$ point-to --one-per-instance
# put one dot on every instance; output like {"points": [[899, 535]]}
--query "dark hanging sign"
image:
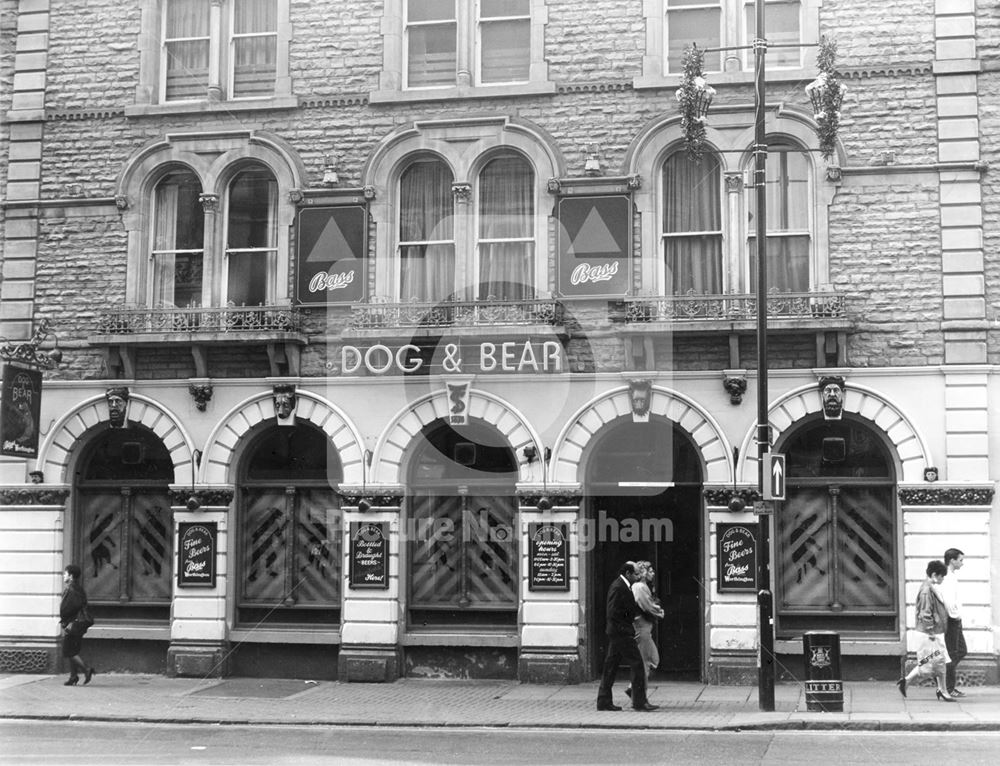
{"points": [[331, 264], [369, 555], [20, 411], [548, 556], [736, 554], [594, 242], [197, 544]]}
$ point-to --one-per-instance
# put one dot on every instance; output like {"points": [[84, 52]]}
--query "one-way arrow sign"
{"points": [[775, 484]]}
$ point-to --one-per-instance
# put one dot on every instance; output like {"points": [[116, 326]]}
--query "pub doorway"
{"points": [[644, 489]]}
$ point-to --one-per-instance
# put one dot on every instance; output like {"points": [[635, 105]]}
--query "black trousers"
{"points": [[954, 639], [623, 648]]}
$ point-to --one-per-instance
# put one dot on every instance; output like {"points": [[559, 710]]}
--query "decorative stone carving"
{"points": [[633, 183], [462, 192], [36, 495], [368, 192], [209, 202], [117, 399], [205, 497], [735, 387], [553, 185], [284, 404], [295, 196], [947, 496], [121, 202], [734, 182], [202, 394], [832, 393], [721, 497], [639, 393]]}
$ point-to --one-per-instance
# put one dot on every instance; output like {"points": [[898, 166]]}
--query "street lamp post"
{"points": [[765, 598]]}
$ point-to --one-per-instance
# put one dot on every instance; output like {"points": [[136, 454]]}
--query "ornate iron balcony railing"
{"points": [[381, 315], [227, 319], [735, 308]]}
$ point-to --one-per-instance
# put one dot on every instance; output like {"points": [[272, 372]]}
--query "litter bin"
{"points": [[824, 687]]}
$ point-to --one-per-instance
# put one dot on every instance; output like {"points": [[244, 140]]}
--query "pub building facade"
{"points": [[386, 341]]}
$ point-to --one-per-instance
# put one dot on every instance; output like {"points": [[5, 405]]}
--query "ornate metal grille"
{"points": [[734, 307], [455, 314], [230, 319]]}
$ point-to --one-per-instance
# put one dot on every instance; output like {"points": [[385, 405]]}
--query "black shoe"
{"points": [[628, 692], [609, 706], [944, 697], [648, 707], [72, 681], [87, 676], [955, 693], [901, 684]]}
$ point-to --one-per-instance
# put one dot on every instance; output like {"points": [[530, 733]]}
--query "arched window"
{"points": [[692, 224], [123, 537], [178, 241], [426, 231], [290, 526], [462, 514], [836, 532], [251, 238], [789, 201], [506, 229]]}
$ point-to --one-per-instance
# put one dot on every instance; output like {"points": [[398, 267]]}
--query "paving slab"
{"points": [[457, 703]]}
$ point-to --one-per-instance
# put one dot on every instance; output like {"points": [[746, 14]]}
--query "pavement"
{"points": [[868, 706]]}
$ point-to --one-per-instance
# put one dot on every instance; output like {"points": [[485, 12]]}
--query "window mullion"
{"points": [[291, 546], [215, 51], [835, 604], [465, 42], [124, 546]]}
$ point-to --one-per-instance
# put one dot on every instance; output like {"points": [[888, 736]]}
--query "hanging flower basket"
{"points": [[826, 93], [694, 97]]}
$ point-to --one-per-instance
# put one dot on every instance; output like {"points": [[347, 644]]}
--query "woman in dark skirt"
{"points": [[73, 600]]}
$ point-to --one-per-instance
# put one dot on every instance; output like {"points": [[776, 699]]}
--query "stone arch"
{"points": [[58, 448], [704, 431], [220, 448], [908, 443], [387, 462]]}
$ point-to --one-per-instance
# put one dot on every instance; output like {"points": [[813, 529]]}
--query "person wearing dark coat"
{"points": [[621, 612], [74, 599]]}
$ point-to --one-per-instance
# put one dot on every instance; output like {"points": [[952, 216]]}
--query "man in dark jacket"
{"points": [[621, 611]]}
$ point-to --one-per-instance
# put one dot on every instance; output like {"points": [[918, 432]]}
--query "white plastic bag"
{"points": [[932, 656]]}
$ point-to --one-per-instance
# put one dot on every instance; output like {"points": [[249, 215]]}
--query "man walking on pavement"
{"points": [[954, 640], [621, 611]]}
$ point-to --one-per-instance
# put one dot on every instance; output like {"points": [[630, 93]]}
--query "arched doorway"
{"points": [[123, 530], [835, 541], [643, 483], [461, 521], [289, 530]]}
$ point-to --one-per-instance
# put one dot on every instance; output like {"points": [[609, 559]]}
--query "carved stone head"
{"points": [[284, 403], [639, 393], [832, 394], [117, 399]]}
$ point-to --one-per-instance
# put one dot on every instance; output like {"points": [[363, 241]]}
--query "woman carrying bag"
{"points": [[932, 621], [74, 618]]}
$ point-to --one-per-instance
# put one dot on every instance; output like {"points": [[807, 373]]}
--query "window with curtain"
{"points": [[186, 43], [426, 232], [693, 21], [788, 229], [506, 229], [717, 24], [431, 43], [240, 40], [251, 238], [254, 48], [692, 224], [783, 22], [493, 41], [504, 40], [178, 241]]}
